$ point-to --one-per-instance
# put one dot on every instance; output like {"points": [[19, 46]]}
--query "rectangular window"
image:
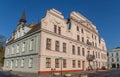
{"points": [[95, 44], [59, 30], [117, 54], [55, 29], [64, 63], [73, 49], [78, 38], [93, 53], [73, 63], [92, 35], [23, 47], [112, 60], [101, 55], [83, 51], [48, 62], [117, 59], [82, 39], [82, 31], [112, 54], [22, 63], [16, 62], [57, 45], [78, 48], [48, 44], [88, 53], [95, 37], [30, 62], [64, 47], [7, 63], [12, 50], [31, 44], [96, 54], [8, 51], [18, 48], [77, 28], [56, 63], [79, 64]]}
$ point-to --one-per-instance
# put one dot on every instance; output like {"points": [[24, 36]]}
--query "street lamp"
{"points": [[61, 58]]}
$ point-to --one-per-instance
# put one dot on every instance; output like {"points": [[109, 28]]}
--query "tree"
{"points": [[2, 49], [2, 40]]}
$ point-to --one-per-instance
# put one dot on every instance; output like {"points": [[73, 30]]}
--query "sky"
{"points": [[104, 14]]}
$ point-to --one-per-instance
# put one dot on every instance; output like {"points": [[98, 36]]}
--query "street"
{"points": [[111, 73]]}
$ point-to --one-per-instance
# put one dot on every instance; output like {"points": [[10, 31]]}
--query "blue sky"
{"points": [[105, 15]]}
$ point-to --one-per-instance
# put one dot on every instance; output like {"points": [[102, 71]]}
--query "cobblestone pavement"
{"points": [[111, 73]]}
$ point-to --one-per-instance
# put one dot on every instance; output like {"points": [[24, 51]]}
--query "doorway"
{"points": [[83, 65]]}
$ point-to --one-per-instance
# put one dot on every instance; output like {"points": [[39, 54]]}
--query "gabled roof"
{"points": [[33, 29]]}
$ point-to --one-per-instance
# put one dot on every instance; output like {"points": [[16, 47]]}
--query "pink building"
{"points": [[70, 42], [55, 44]]}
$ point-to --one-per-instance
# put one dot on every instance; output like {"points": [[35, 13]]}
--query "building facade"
{"points": [[22, 49], [58, 44], [114, 58]]}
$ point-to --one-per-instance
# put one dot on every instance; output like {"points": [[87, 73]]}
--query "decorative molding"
{"points": [[21, 55]]}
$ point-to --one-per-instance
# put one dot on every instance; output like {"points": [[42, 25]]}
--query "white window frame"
{"points": [[22, 63], [30, 62], [31, 44], [12, 50], [16, 62], [7, 63], [23, 47], [8, 51], [18, 48]]}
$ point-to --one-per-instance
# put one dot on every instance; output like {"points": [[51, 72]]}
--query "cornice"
{"points": [[21, 55]]}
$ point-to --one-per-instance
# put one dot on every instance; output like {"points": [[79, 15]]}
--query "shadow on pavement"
{"points": [[8, 74]]}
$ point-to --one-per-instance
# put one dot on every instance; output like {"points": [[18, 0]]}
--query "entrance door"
{"points": [[83, 65]]}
